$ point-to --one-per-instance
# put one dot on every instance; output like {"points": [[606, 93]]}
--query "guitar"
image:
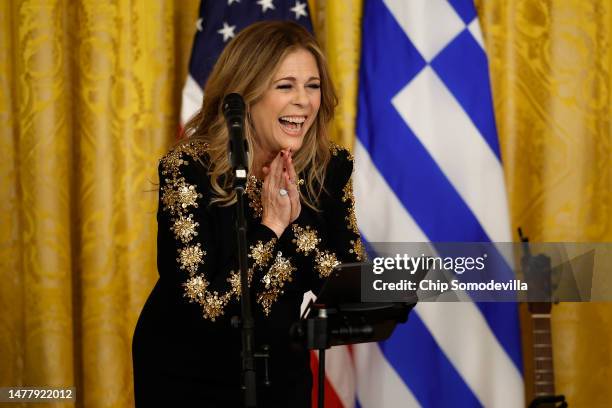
{"points": [[543, 374]]}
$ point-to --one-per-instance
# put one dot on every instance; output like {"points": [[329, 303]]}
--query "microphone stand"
{"points": [[247, 323], [234, 110]]}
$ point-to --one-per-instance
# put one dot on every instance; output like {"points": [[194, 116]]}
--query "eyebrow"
{"points": [[290, 78]]}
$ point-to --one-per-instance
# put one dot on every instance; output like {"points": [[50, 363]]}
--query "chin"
{"points": [[294, 144]]}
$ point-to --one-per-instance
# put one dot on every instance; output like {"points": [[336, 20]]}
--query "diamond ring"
{"points": [[283, 192]]}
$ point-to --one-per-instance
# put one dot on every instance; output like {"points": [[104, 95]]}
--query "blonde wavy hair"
{"points": [[247, 66]]}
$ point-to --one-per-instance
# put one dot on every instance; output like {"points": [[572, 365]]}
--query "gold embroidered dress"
{"points": [[185, 349]]}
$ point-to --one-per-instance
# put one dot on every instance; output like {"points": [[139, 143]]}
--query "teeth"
{"points": [[294, 119]]}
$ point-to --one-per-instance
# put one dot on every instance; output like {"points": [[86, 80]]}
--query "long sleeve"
{"points": [[339, 209], [189, 244], [336, 240]]}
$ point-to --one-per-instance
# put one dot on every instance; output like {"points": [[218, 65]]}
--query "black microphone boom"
{"points": [[233, 110]]}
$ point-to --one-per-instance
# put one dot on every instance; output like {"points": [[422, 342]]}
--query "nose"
{"points": [[300, 97]]}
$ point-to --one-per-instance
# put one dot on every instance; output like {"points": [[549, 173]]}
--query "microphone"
{"points": [[233, 110]]}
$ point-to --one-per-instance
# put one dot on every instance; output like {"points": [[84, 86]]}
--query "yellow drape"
{"points": [[551, 70], [338, 28], [89, 99]]}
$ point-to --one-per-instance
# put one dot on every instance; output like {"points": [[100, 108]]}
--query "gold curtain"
{"points": [[89, 100], [338, 28], [551, 71]]}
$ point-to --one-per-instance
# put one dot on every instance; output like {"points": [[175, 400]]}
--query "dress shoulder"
{"points": [[194, 150], [340, 152], [183, 179], [340, 167]]}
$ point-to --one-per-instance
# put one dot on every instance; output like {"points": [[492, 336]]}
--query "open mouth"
{"points": [[292, 124]]}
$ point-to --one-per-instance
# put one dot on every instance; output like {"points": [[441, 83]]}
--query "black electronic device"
{"points": [[339, 317]]}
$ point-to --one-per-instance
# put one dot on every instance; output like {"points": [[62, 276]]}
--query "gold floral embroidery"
{"points": [[178, 195], [335, 148], [174, 159], [262, 253], [195, 288], [184, 228], [347, 191], [190, 258], [325, 263], [347, 196], [234, 281], [267, 298], [351, 220], [253, 190], [358, 249], [213, 304], [279, 273], [305, 239]]}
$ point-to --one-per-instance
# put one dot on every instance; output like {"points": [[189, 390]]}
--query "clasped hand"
{"points": [[280, 210]]}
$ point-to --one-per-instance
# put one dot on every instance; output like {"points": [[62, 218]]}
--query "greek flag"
{"points": [[428, 168]]}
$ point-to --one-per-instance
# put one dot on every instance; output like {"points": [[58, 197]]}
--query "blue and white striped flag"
{"points": [[428, 168]]}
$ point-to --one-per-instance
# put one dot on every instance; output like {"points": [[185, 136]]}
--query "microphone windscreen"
{"points": [[233, 107]]}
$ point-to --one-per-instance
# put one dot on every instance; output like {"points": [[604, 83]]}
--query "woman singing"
{"points": [[301, 224]]}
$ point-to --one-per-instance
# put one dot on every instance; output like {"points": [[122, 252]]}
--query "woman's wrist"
{"points": [[274, 226]]}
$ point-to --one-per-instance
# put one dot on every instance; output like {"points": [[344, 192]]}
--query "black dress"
{"points": [[185, 351]]}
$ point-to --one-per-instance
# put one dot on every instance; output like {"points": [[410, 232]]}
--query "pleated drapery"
{"points": [[551, 71], [90, 100]]}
